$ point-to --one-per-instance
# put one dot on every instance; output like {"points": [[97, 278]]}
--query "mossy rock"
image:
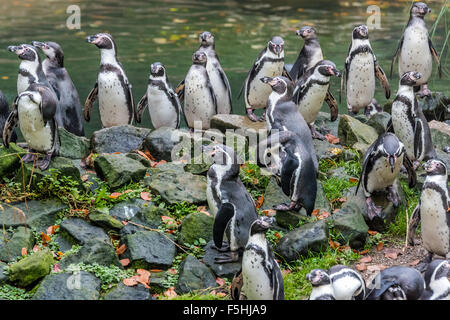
{"points": [[354, 133], [10, 159], [31, 268], [195, 226], [73, 146], [104, 220], [12, 248]]}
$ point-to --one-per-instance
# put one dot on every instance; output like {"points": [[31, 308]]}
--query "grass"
{"points": [[254, 181]]}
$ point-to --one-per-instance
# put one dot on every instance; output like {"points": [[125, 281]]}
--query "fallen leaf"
{"points": [[121, 249], [173, 271], [364, 251], [128, 191], [115, 195], [156, 270], [143, 277], [84, 177], [124, 222], [414, 263], [333, 244], [315, 212], [35, 248], [365, 259], [144, 155], [221, 294], [331, 139], [269, 212], [45, 238], [392, 253], [353, 180], [259, 202], [380, 246], [146, 196], [52, 229], [24, 252], [378, 267], [56, 267], [220, 281], [130, 282], [323, 215], [170, 293], [372, 233], [361, 267]]}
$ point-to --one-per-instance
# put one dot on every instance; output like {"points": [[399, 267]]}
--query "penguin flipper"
{"points": [[367, 157], [180, 109], [131, 106], [224, 78], [400, 44], [223, 216], [10, 124], [89, 102], [390, 126], [286, 74], [179, 90], [236, 285], [378, 292], [412, 177], [287, 171], [381, 76], [48, 104], [213, 96], [412, 226], [142, 105], [418, 139], [332, 103], [435, 57], [343, 81]]}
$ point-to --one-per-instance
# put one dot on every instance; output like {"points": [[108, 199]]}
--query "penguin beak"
{"points": [[37, 44], [16, 49], [392, 162], [91, 39], [278, 49], [267, 80], [334, 72]]}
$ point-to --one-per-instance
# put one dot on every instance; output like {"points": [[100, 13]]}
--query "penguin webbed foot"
{"points": [[252, 116], [231, 256], [43, 164], [372, 210], [424, 91], [287, 207], [224, 248], [315, 134], [29, 157]]}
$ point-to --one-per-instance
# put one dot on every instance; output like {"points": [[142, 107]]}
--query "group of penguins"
{"points": [[291, 99]]}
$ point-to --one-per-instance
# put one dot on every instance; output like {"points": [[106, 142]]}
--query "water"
{"points": [[167, 31]]}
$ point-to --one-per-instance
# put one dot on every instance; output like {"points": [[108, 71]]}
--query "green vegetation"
{"points": [[8, 292], [253, 179]]}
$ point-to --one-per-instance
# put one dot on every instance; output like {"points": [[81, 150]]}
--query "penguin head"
{"points": [[219, 154], [279, 84], [199, 57], [307, 33], [157, 70], [102, 41], [261, 225], [435, 167], [318, 277], [391, 148], [361, 32], [206, 39], [52, 51], [276, 45], [327, 68], [436, 270], [25, 52], [419, 9], [410, 78]]}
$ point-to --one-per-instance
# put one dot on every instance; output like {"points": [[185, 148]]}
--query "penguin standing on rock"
{"points": [[347, 283], [409, 122], [57, 75], [361, 68], [436, 280], [260, 277], [232, 206], [162, 101], [217, 76], [112, 88], [4, 113], [415, 50], [381, 166], [200, 103], [322, 285]]}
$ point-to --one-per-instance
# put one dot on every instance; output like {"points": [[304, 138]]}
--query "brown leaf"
{"points": [[372, 233], [366, 259], [323, 215], [220, 281], [84, 177], [331, 139], [414, 263], [173, 271], [170, 293], [115, 195], [333, 244], [315, 212], [364, 251], [45, 239], [269, 212], [130, 282], [221, 294], [380, 246], [24, 252], [52, 229], [259, 202], [353, 180], [146, 196], [120, 250], [124, 222], [379, 267], [361, 267], [143, 277], [156, 270], [391, 253]]}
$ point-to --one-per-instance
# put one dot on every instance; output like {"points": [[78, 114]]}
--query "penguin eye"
{"points": [[269, 154]]}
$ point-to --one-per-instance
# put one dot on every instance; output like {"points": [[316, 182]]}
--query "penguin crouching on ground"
{"points": [[436, 281], [232, 206], [361, 68], [415, 50], [381, 167], [34, 110], [347, 283], [163, 103], [322, 285], [58, 77], [4, 113], [113, 90], [260, 277]]}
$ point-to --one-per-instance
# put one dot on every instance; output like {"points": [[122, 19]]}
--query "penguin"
{"points": [[4, 113], [200, 103], [162, 101], [347, 283], [217, 76], [112, 87], [436, 281], [415, 50], [270, 63], [373, 108], [396, 283], [260, 276], [409, 122], [229, 201], [312, 89], [322, 285], [58, 77], [381, 167], [34, 110], [433, 211], [361, 68]]}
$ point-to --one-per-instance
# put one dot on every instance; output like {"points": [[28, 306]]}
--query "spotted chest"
{"points": [[361, 80], [381, 176], [310, 104], [163, 112], [257, 92], [403, 124]]}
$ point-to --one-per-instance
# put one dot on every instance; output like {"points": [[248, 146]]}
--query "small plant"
{"points": [[8, 292], [254, 181], [274, 236]]}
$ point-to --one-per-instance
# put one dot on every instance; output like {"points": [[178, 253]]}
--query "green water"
{"points": [[167, 31]]}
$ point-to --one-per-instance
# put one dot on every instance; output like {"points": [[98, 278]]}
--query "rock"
{"points": [[93, 251], [349, 224], [149, 217], [178, 187], [9, 159], [379, 122], [197, 166], [440, 134], [12, 248], [326, 150], [325, 125], [3, 277], [82, 231], [118, 169], [73, 146], [436, 107], [354, 133], [104, 220], [37, 214], [31, 268], [144, 161], [162, 141], [121, 139], [125, 210], [157, 282], [79, 285], [311, 237], [241, 125], [194, 275], [150, 250], [123, 292], [63, 244], [195, 226], [224, 270]]}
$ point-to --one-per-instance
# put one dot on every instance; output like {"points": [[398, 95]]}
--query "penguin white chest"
{"points": [[113, 104], [31, 123], [381, 175], [256, 280], [324, 292], [403, 127], [162, 112], [22, 83], [312, 101], [258, 92], [434, 227], [345, 287], [415, 53], [361, 81]]}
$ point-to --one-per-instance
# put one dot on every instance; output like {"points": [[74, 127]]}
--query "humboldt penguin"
{"points": [[361, 68], [113, 90], [409, 122], [162, 101], [396, 283], [433, 211], [347, 283], [34, 110], [270, 63], [260, 276], [415, 50], [232, 206], [436, 281], [312, 89], [373, 108], [381, 167], [322, 285], [4, 113], [200, 103], [217, 76], [69, 101]]}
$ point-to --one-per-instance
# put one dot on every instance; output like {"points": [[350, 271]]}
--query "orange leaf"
{"points": [[269, 212], [259, 202], [380, 246], [353, 180], [372, 233], [51, 230], [144, 277], [24, 252], [364, 251], [220, 281], [323, 215], [366, 259], [331, 139], [45, 238], [121, 249], [333, 244], [142, 154], [221, 294], [130, 282], [315, 212], [146, 196], [156, 270], [361, 267], [170, 293], [115, 195]]}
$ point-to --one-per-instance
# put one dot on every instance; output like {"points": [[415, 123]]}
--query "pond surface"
{"points": [[167, 31]]}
